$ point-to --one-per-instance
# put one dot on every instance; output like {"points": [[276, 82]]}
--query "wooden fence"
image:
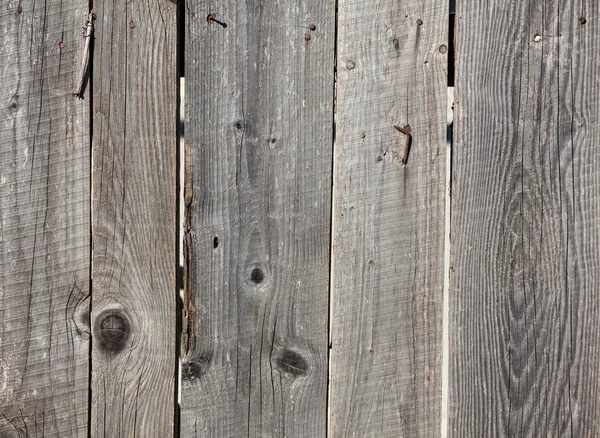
{"points": [[325, 294]]}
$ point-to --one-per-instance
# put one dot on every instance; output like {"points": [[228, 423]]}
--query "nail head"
{"points": [[350, 64], [443, 48], [307, 37], [537, 38], [19, 9], [582, 20], [311, 26], [396, 42], [61, 45], [131, 24], [419, 22]]}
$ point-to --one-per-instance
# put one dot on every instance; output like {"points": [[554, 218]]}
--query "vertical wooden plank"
{"points": [[388, 219], [526, 202], [134, 223], [259, 112], [44, 221]]}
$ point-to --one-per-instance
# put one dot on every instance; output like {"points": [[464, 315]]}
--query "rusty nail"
{"points": [[307, 37], [61, 45], [396, 42], [19, 9], [312, 26], [406, 132], [213, 18], [443, 48], [419, 22], [582, 20], [131, 24]]}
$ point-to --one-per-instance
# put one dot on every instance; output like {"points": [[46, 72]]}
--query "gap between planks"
{"points": [[445, 293]]}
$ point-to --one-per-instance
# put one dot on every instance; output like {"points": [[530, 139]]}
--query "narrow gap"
{"points": [[90, 93], [179, 175], [447, 225], [328, 431]]}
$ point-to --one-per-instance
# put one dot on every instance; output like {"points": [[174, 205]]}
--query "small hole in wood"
{"points": [[257, 275]]}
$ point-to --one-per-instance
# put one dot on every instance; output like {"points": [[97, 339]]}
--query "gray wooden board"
{"points": [[259, 110], [525, 208], [134, 223], [388, 220], [44, 221]]}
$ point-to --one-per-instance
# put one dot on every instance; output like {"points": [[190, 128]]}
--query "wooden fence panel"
{"points": [[44, 222], [388, 247], [134, 223], [526, 201], [259, 110]]}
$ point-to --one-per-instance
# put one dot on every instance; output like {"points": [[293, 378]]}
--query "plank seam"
{"points": [[447, 228], [328, 424], [90, 85]]}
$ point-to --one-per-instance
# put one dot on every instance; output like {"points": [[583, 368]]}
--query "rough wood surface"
{"points": [[44, 222], [526, 202], [134, 223], [388, 248], [259, 111]]}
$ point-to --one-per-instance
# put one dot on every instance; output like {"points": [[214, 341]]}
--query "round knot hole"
{"points": [[257, 275]]}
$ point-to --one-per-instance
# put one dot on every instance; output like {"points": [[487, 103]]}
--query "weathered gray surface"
{"points": [[259, 111], [44, 222], [388, 220], [134, 219], [526, 202]]}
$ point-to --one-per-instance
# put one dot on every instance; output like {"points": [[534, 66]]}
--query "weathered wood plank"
{"points": [[134, 219], [525, 209], [388, 253], [44, 221], [259, 111]]}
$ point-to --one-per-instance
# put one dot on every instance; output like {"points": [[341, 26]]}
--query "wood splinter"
{"points": [[405, 131], [87, 34]]}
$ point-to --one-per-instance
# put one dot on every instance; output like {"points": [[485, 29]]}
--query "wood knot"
{"points": [[257, 275], [13, 104], [112, 330], [292, 362], [195, 368]]}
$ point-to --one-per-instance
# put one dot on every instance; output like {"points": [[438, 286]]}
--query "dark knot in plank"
{"points": [[112, 330], [195, 367], [257, 275], [292, 362]]}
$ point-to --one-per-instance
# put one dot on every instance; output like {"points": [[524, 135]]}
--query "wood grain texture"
{"points": [[525, 216], [44, 221], [259, 109], [134, 223], [388, 248]]}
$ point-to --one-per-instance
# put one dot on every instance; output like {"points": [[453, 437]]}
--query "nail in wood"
{"points": [[86, 52]]}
